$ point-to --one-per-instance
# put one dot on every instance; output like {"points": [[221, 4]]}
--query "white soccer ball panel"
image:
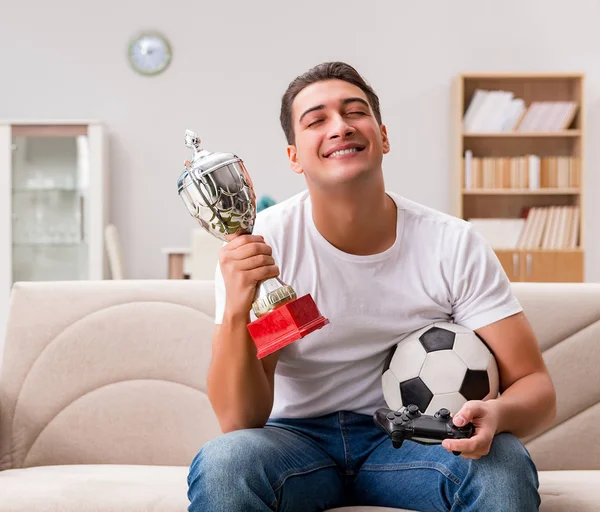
{"points": [[408, 359], [494, 378], [391, 390], [472, 351], [443, 371], [451, 401]]}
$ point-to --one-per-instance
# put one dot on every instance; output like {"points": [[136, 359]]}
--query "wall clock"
{"points": [[149, 53]]}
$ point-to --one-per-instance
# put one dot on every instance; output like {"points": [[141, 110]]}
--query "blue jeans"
{"points": [[344, 459]]}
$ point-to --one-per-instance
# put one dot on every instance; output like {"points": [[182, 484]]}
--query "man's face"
{"points": [[337, 138]]}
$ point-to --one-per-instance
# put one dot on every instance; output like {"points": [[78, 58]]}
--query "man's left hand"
{"points": [[484, 417]]}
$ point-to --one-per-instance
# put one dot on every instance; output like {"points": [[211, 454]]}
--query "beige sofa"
{"points": [[103, 404]]}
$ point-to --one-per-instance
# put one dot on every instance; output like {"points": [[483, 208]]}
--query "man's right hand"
{"points": [[245, 262]]}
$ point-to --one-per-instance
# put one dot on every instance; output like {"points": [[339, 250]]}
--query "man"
{"points": [[298, 427]]}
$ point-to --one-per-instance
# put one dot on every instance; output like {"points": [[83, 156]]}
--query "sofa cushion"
{"points": [[107, 487], [575, 491], [368, 509], [94, 488], [106, 373]]}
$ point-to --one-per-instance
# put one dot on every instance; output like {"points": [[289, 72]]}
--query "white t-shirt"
{"points": [[438, 269]]}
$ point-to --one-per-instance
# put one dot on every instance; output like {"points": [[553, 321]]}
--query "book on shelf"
{"points": [[500, 111], [521, 172], [543, 227]]}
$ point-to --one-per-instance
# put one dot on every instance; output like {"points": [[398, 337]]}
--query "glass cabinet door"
{"points": [[50, 182]]}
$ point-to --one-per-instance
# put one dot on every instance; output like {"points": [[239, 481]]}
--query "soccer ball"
{"points": [[441, 365]]}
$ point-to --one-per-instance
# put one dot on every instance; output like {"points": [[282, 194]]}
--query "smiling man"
{"points": [[298, 427]]}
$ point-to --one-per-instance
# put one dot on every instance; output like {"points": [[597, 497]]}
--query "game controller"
{"points": [[410, 423]]}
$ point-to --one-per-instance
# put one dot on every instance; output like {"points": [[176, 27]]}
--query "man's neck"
{"points": [[359, 221]]}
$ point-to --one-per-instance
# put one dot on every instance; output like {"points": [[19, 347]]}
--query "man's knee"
{"points": [[508, 452], [226, 465], [507, 475]]}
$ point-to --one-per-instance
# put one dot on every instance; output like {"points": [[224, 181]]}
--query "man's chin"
{"points": [[345, 166], [348, 175]]}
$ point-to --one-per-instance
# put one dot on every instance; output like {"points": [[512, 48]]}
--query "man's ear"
{"points": [[385, 140], [293, 158]]}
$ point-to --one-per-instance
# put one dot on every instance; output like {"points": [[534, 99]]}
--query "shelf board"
{"points": [[537, 250], [515, 135], [49, 244], [45, 189], [521, 191], [516, 75]]}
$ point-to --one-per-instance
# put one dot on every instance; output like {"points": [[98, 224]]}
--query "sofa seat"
{"points": [[111, 487], [572, 491], [94, 488]]}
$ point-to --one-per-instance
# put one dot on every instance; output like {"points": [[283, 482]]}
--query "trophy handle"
{"points": [[192, 141]]}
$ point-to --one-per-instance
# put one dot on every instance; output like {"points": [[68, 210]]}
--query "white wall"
{"points": [[233, 61]]}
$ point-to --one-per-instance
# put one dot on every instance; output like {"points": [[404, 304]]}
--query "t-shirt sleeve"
{"points": [[481, 291], [219, 295]]}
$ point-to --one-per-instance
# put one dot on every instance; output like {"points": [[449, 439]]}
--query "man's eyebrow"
{"points": [[311, 109], [345, 101], [353, 100]]}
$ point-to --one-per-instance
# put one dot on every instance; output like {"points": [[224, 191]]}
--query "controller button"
{"points": [[390, 416], [444, 413], [397, 413]]}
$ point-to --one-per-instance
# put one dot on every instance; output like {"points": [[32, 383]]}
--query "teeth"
{"points": [[344, 152]]}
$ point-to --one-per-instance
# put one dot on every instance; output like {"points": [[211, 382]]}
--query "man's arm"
{"points": [[240, 386], [480, 293], [527, 403]]}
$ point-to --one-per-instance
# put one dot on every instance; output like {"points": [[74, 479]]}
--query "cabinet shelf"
{"points": [[53, 182], [538, 250], [41, 189], [522, 135], [48, 244], [521, 192]]}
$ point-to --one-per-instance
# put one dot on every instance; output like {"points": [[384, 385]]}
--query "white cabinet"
{"points": [[53, 203]]}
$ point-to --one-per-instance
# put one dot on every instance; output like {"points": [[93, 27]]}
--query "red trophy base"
{"points": [[285, 324]]}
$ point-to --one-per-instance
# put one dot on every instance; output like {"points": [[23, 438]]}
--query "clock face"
{"points": [[149, 53]]}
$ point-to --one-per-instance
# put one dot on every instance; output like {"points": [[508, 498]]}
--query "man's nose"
{"points": [[341, 128]]}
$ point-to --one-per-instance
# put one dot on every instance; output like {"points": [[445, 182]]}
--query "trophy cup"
{"points": [[218, 193]]}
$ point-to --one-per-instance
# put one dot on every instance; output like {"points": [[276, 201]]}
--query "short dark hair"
{"points": [[324, 71]]}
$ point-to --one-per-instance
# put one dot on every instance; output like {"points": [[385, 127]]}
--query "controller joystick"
{"points": [[412, 411], [442, 413], [410, 423]]}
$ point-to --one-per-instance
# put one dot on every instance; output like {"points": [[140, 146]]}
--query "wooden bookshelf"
{"points": [[523, 165]]}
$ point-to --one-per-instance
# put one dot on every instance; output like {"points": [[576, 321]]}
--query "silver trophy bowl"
{"points": [[217, 191]]}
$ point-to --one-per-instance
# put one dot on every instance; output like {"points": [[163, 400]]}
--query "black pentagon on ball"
{"points": [[414, 391], [437, 338], [475, 385], [388, 360]]}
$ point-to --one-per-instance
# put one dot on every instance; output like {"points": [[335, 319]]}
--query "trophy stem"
{"points": [[271, 294]]}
